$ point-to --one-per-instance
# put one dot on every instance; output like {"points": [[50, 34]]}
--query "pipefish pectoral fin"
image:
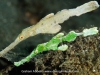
{"points": [[54, 29]]}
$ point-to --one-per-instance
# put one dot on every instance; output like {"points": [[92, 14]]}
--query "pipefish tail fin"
{"points": [[87, 7]]}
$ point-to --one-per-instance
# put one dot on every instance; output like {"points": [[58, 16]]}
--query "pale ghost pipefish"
{"points": [[50, 23]]}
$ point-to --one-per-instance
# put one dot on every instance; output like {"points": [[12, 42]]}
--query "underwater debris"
{"points": [[51, 22]]}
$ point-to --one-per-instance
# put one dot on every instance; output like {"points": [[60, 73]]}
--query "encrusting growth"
{"points": [[50, 23], [54, 42]]}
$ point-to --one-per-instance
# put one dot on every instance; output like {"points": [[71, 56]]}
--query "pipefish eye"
{"points": [[21, 37]]}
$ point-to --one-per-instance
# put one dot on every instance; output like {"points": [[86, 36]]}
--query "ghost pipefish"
{"points": [[50, 23]]}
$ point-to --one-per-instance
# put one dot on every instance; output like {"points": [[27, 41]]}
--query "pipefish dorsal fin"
{"points": [[48, 16]]}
